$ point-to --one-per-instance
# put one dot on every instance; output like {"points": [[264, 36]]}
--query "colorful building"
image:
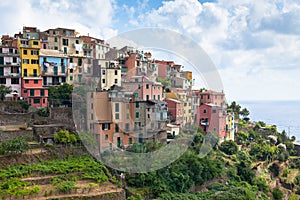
{"points": [[34, 92], [212, 119], [10, 74], [230, 126], [175, 111], [29, 51], [53, 66]]}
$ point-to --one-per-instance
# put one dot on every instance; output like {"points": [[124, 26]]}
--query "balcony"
{"points": [[204, 123]]}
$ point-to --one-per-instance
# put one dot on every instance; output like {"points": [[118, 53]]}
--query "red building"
{"points": [[212, 118], [164, 68], [33, 91], [175, 110]]}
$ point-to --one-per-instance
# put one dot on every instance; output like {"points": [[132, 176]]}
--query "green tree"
{"points": [[60, 95], [65, 137], [244, 113], [165, 82], [229, 147], [4, 90]]}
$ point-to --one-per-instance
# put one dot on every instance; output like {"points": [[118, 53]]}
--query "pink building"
{"points": [[212, 97], [175, 110], [33, 91], [144, 88], [212, 118], [164, 68]]}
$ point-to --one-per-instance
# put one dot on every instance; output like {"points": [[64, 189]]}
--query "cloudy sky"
{"points": [[255, 45]]}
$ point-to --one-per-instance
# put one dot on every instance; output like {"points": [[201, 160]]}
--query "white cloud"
{"points": [[94, 17], [255, 44]]}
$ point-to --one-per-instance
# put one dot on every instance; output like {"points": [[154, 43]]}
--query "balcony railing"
{"points": [[204, 123]]}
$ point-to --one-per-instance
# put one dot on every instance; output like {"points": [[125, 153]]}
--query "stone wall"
{"points": [[8, 135], [15, 118]]}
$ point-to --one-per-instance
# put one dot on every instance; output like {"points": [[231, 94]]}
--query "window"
{"points": [[1, 71], [137, 104], [127, 116], [204, 111], [34, 52], [214, 111], [79, 61], [35, 101], [103, 72], [42, 92], [77, 41], [153, 97], [25, 52], [65, 50], [34, 61], [14, 59], [71, 60], [31, 92], [56, 48], [127, 106], [106, 136], [158, 97], [208, 96], [63, 69], [105, 126], [116, 81], [25, 91], [26, 81], [25, 72], [92, 116], [71, 78], [117, 128], [117, 107], [2, 80], [36, 81], [147, 86], [25, 61], [137, 115], [44, 46], [15, 81], [147, 97], [129, 140], [1, 60], [65, 42], [116, 72], [35, 43], [92, 105], [117, 116], [127, 127], [55, 39], [103, 80]]}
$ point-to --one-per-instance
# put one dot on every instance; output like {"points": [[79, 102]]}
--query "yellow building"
{"points": [[230, 126], [29, 51]]}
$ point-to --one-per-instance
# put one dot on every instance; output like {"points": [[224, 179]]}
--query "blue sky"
{"points": [[255, 45]]}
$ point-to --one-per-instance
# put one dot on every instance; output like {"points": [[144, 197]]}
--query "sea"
{"points": [[284, 114]]}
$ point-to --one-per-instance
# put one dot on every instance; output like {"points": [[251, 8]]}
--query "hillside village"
{"points": [[135, 97], [58, 87]]}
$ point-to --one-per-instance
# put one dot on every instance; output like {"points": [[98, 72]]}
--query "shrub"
{"points": [[277, 194], [14, 146], [229, 147]]}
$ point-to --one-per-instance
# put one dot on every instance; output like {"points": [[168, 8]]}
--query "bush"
{"points": [[43, 112], [15, 146], [66, 186], [277, 194], [229, 147]]}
